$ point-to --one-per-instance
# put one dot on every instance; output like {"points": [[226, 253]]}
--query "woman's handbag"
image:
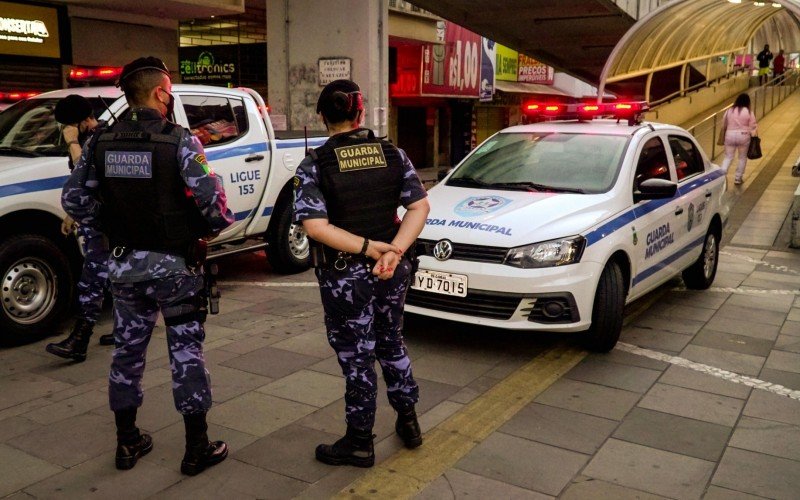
{"points": [[722, 130], [754, 149]]}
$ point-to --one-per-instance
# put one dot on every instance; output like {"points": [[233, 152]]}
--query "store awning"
{"points": [[527, 88]]}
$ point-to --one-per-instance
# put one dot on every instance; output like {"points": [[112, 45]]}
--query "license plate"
{"points": [[444, 283]]}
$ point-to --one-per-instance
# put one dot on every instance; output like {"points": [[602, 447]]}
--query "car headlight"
{"points": [[551, 253]]}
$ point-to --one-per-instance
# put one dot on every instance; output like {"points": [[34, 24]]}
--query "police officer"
{"points": [[346, 195], [155, 196], [76, 114]]}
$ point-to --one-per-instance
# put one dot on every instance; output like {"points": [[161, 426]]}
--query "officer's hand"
{"points": [[376, 249], [70, 133], [385, 266], [68, 225]]}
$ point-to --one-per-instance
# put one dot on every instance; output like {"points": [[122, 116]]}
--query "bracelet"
{"points": [[364, 247], [70, 143]]}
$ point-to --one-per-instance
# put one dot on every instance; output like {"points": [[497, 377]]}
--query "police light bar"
{"points": [[86, 76], [630, 111], [15, 96]]}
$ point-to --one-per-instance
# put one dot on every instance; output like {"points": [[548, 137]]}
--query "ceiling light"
{"points": [[759, 4], [735, 1], [776, 5]]}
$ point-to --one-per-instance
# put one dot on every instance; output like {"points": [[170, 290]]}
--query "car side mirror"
{"points": [[655, 189], [441, 174]]}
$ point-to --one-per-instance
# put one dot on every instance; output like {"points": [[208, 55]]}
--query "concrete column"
{"points": [[300, 32]]}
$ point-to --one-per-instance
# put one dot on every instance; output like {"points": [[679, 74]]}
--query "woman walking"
{"points": [[740, 126], [346, 196]]}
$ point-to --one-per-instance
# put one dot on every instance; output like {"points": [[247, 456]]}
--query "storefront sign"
{"points": [[28, 30], [211, 65], [530, 70], [488, 59], [333, 69], [452, 69], [407, 68], [506, 66]]}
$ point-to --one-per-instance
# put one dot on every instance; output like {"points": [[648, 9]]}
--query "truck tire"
{"points": [[35, 287], [609, 305], [701, 274], [288, 249]]}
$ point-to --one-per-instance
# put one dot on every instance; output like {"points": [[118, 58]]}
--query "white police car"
{"points": [[556, 225]]}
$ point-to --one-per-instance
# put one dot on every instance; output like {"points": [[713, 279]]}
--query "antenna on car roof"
{"points": [[305, 135], [108, 108]]}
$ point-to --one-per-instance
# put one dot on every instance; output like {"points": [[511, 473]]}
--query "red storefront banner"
{"points": [[530, 70], [407, 71], [452, 69]]}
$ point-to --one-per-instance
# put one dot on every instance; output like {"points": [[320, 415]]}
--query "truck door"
{"points": [[230, 129]]}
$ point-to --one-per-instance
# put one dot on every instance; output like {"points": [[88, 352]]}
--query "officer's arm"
{"points": [[76, 198], [415, 199], [205, 186]]}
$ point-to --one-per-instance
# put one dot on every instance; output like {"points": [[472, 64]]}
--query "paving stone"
{"points": [[311, 344], [97, 361], [457, 484], [22, 387], [438, 414], [785, 361], [98, 478], [651, 470], [477, 387], [590, 488], [19, 361], [89, 435], [743, 327], [692, 379], [562, 428], [729, 279], [258, 414], [330, 365], [588, 398], [786, 379], [730, 342], [16, 426], [676, 325], [698, 299], [737, 312], [693, 404], [759, 474], [629, 378], [779, 303], [250, 343], [228, 383], [306, 386], [658, 340], [271, 362], [743, 364], [431, 393], [794, 314], [777, 278], [508, 459], [21, 469], [768, 437], [240, 320], [70, 407], [684, 436], [626, 358], [235, 479], [448, 370], [788, 343], [717, 493], [791, 328], [768, 406], [289, 452]]}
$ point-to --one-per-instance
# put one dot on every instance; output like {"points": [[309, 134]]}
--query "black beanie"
{"points": [[72, 109]]}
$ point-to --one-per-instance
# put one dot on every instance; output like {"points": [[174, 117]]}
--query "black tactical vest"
{"points": [[145, 202], [361, 178]]}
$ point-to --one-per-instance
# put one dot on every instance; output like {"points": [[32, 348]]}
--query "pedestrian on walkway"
{"points": [[764, 57], [778, 67], [75, 113], [155, 196], [740, 125], [346, 195]]}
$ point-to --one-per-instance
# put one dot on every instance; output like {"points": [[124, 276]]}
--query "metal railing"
{"points": [[763, 99], [707, 83]]}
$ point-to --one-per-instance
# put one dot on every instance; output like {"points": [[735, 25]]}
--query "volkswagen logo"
{"points": [[443, 250]]}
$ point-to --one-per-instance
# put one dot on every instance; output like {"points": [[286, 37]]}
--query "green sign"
{"points": [[506, 67]]}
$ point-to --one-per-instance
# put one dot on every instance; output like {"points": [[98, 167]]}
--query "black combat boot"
{"points": [[355, 448], [131, 444], [74, 346], [107, 339], [407, 428], [200, 452]]}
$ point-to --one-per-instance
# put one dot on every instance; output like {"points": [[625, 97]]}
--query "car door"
{"points": [[235, 147], [654, 225], [693, 197]]}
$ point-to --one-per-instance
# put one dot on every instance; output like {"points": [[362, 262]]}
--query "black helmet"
{"points": [[72, 109], [140, 64]]}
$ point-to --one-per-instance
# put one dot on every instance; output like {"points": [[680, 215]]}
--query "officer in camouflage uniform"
{"points": [[357, 246], [76, 114], [155, 197]]}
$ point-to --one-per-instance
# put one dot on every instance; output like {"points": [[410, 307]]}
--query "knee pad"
{"points": [[187, 310]]}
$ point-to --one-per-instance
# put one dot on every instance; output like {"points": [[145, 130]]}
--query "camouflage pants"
{"points": [[136, 307], [94, 276], [364, 319]]}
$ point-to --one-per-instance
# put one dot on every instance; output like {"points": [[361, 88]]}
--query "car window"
{"points": [[215, 120], [652, 162], [688, 160]]}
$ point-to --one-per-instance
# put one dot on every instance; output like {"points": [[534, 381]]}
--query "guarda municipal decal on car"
{"points": [[465, 224], [480, 205]]}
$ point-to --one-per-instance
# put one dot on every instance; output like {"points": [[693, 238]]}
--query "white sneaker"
{"points": [[738, 181]]}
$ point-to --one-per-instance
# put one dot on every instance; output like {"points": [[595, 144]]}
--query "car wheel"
{"points": [[701, 274], [36, 287], [288, 247], [609, 304]]}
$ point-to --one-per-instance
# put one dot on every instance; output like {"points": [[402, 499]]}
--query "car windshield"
{"points": [[551, 162], [29, 128]]}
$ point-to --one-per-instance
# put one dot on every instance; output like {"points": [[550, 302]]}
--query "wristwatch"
{"points": [[364, 247]]}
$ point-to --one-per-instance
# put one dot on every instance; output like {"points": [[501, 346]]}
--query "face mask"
{"points": [[170, 105]]}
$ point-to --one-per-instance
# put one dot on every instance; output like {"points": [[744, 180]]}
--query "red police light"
{"points": [[552, 108], [78, 73], [532, 107], [109, 72], [14, 96], [93, 75]]}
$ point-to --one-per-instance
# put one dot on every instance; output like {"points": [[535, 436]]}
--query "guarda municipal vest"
{"points": [[145, 202], [361, 178]]}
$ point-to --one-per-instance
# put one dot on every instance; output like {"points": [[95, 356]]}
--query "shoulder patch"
{"points": [[201, 160], [296, 181], [360, 157]]}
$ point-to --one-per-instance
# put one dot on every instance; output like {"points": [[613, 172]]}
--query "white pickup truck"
{"points": [[39, 267]]}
